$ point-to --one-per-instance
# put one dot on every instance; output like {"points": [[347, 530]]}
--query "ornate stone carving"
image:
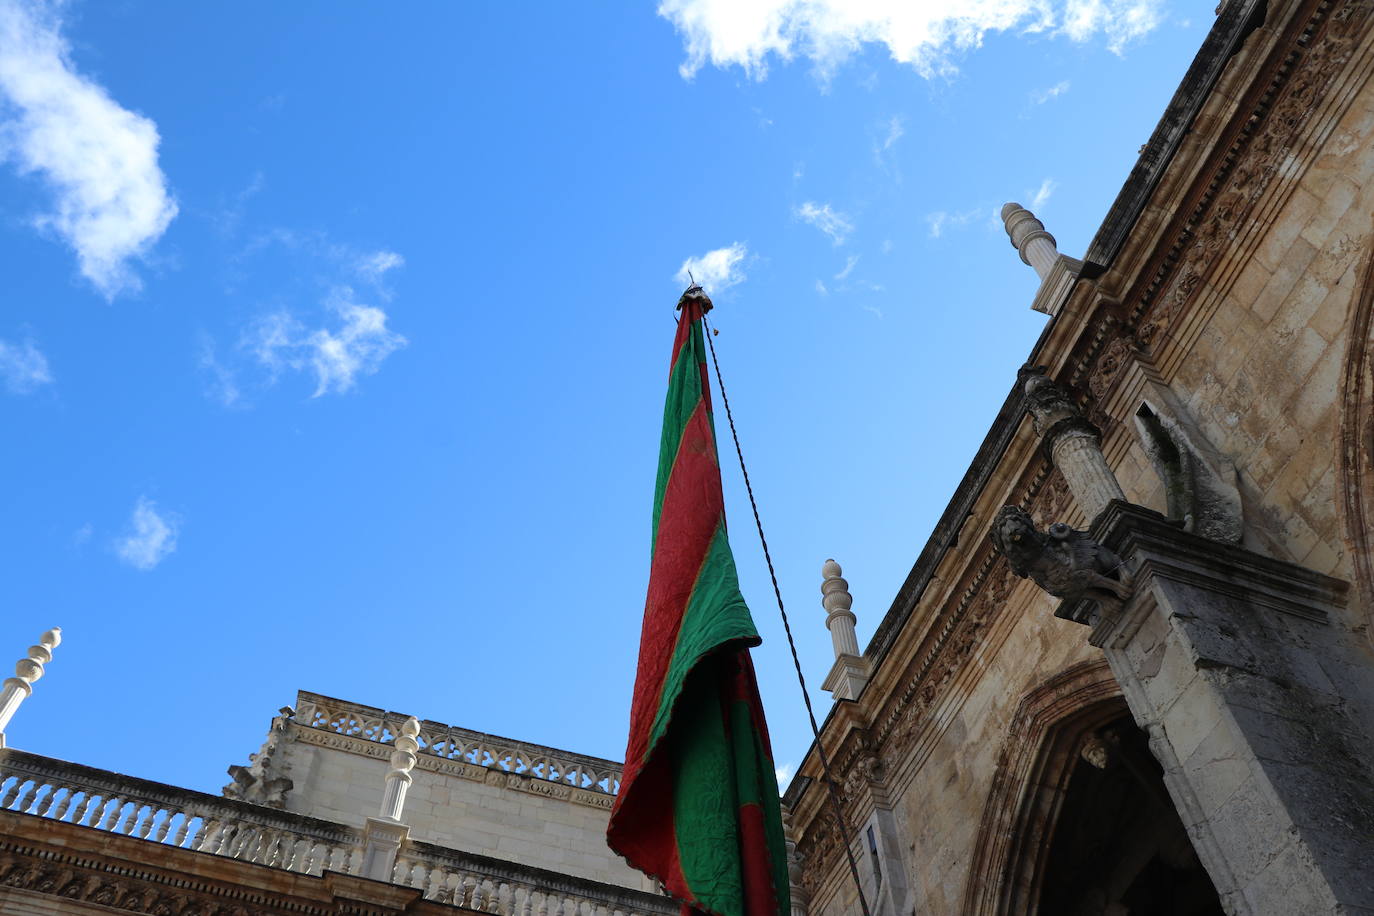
{"points": [[264, 780], [1262, 151], [1063, 561]]}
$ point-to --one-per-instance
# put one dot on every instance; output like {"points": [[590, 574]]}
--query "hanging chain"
{"points": [[831, 790]]}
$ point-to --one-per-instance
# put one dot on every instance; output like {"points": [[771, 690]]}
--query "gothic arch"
{"points": [[1357, 436], [1033, 770]]}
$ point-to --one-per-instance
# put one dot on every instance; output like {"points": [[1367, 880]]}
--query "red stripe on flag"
{"points": [[692, 508]]}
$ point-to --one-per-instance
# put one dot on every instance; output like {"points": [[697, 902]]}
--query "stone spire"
{"points": [[851, 670], [1037, 248], [384, 835], [27, 670]]}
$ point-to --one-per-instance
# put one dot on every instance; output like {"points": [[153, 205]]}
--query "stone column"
{"points": [[851, 670], [1071, 442], [27, 670], [1028, 236], [1258, 706], [384, 835]]}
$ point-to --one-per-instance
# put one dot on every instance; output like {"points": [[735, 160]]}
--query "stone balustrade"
{"points": [[509, 889], [88, 797], [98, 799], [592, 774]]}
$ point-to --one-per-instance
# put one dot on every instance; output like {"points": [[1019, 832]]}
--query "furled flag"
{"points": [[698, 804]]}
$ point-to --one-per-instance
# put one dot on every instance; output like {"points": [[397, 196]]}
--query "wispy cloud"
{"points": [[1041, 96], [849, 265], [927, 36], [373, 265], [356, 346], [784, 775], [150, 537], [895, 131], [221, 384], [875, 310], [716, 270], [821, 289], [825, 218], [1041, 195], [23, 367], [890, 131], [941, 220], [98, 159]]}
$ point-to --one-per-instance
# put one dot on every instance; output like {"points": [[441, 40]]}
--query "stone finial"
{"points": [[837, 601], [1028, 236], [383, 836], [27, 670], [851, 670], [402, 762]]}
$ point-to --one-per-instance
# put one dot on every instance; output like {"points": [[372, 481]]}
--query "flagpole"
{"points": [[831, 790]]}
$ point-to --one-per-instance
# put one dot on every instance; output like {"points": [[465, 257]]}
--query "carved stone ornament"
{"points": [[263, 781], [1063, 561]]}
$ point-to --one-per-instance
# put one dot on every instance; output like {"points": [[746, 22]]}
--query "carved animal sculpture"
{"points": [[1063, 561]]}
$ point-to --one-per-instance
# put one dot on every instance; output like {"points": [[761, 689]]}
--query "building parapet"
{"points": [[43, 787], [368, 723]]}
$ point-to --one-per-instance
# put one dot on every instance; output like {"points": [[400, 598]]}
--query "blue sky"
{"points": [[334, 337]]}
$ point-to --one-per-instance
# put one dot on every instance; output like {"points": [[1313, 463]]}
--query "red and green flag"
{"points": [[698, 804]]}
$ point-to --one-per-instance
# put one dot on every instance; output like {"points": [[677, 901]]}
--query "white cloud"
{"points": [[941, 220], [1041, 96], [875, 310], [784, 775], [895, 130], [820, 288], [925, 35], [374, 265], [1041, 195], [715, 271], [23, 367], [849, 263], [823, 217], [150, 538], [99, 159], [336, 357]]}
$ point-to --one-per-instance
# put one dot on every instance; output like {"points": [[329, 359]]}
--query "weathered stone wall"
{"points": [[1262, 379], [1238, 322]]}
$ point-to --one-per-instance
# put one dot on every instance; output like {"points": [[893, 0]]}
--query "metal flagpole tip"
{"points": [[695, 293]]}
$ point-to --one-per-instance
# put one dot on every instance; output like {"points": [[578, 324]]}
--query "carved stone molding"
{"points": [[1033, 769], [1357, 438], [1259, 151]]}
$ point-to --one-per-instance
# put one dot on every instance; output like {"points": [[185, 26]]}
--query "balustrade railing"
{"points": [[88, 797], [101, 800], [371, 724], [509, 889]]}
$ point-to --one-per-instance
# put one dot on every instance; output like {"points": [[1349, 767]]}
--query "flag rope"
{"points": [[787, 627]]}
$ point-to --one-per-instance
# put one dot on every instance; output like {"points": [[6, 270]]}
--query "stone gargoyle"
{"points": [[1063, 561]]}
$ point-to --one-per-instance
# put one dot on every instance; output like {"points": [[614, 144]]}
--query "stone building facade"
{"points": [[1165, 703]]}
